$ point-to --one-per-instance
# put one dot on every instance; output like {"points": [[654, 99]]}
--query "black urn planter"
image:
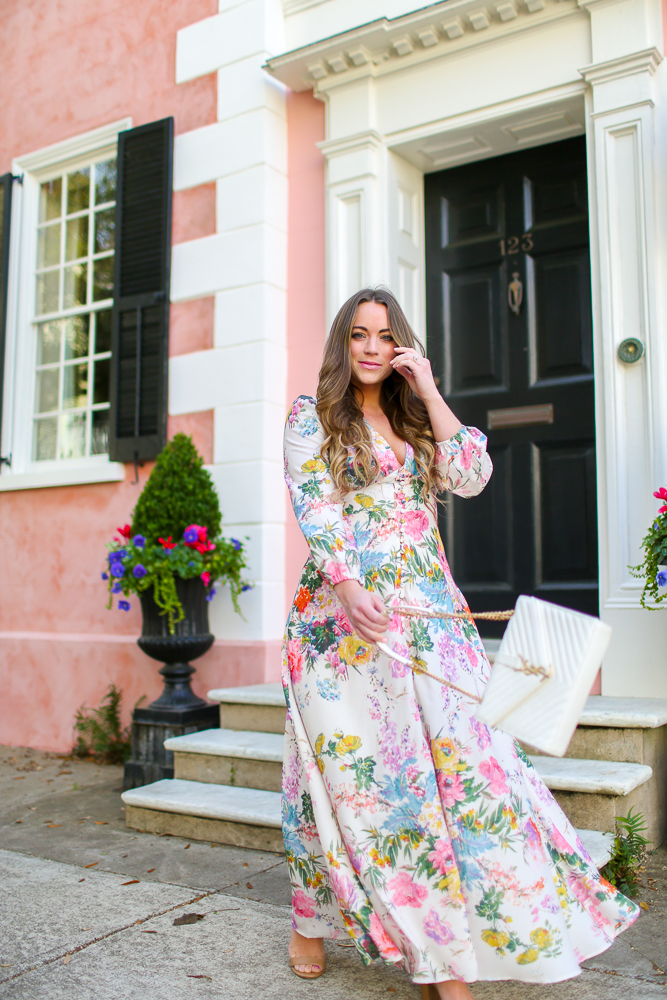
{"points": [[178, 710]]}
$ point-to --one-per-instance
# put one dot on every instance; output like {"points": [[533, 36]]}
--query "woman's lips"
{"points": [[369, 364]]}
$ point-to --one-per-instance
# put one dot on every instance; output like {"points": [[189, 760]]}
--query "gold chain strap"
{"points": [[417, 668]]}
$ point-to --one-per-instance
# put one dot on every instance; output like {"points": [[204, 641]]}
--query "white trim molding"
{"points": [[98, 472], [85, 144]]}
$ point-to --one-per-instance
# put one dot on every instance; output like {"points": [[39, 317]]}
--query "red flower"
{"points": [[127, 531], [302, 599], [206, 577], [167, 544], [661, 494]]}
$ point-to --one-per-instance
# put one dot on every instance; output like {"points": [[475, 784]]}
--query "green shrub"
{"points": [[179, 492], [627, 855], [99, 733]]}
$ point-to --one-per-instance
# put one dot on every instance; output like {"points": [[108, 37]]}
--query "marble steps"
{"points": [[258, 707], [243, 817]]}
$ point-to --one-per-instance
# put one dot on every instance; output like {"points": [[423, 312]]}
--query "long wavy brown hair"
{"points": [[348, 436]]}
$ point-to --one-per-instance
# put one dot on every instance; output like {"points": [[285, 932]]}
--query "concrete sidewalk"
{"points": [[87, 910]]}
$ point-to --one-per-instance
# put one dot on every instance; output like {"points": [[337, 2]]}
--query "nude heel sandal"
{"points": [[429, 992], [304, 960]]}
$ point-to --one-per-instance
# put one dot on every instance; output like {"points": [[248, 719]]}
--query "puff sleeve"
{"points": [[463, 462], [329, 537]]}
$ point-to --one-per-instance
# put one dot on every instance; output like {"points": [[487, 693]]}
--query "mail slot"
{"points": [[520, 416]]}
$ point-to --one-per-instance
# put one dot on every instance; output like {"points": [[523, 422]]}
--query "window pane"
{"points": [[48, 343], [78, 191], [46, 398], [104, 229], [76, 239], [76, 336], [74, 288], [44, 439], [101, 382], [102, 279], [103, 331], [73, 435], [50, 199], [48, 247], [47, 292], [75, 386], [105, 181], [99, 444]]}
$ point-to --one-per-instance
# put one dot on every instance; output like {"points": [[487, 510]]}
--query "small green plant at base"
{"points": [[628, 852], [99, 733]]}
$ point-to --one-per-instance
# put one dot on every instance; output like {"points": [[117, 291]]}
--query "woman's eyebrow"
{"points": [[365, 329]]}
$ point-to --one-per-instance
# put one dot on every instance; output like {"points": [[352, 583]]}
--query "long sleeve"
{"points": [[330, 539], [463, 462]]}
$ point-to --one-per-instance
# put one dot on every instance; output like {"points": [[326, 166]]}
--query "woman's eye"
{"points": [[387, 337], [357, 336]]}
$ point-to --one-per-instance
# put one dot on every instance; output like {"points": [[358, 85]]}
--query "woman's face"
{"points": [[372, 345]]}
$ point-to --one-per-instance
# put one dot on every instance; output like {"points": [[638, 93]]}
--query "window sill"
{"points": [[108, 472]]}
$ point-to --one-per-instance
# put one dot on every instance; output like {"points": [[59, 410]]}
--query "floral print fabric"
{"points": [[421, 833]]}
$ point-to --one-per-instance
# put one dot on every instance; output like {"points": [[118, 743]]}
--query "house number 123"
{"points": [[516, 243]]}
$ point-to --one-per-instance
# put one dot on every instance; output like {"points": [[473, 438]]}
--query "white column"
{"points": [[625, 151], [244, 264]]}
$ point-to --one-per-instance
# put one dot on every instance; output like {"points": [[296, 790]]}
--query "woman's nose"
{"points": [[370, 347]]}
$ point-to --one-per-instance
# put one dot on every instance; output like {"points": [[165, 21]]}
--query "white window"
{"points": [[73, 298], [58, 351]]}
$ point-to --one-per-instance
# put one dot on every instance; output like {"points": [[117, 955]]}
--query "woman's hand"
{"points": [[417, 372], [366, 611]]}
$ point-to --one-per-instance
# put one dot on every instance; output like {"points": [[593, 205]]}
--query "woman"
{"points": [[425, 836]]}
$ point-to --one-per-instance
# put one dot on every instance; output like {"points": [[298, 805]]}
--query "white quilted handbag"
{"points": [[542, 674]]}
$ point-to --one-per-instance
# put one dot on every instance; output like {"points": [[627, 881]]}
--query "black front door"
{"points": [[509, 335]]}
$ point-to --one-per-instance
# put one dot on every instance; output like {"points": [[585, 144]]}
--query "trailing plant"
{"points": [[628, 853], [175, 532], [654, 545], [99, 733]]}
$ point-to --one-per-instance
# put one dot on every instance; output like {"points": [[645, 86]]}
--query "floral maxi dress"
{"points": [[426, 836]]}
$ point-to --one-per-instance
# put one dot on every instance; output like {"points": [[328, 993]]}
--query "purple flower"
{"points": [[118, 554], [236, 543], [123, 605], [662, 578], [211, 594], [105, 576], [139, 541], [191, 563], [246, 586], [116, 589], [139, 571], [191, 535], [117, 568]]}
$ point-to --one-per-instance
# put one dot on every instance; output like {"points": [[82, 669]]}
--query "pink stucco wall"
{"points": [[306, 308], [70, 67]]}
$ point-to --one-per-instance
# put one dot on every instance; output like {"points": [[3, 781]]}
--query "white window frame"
{"points": [[17, 424]]}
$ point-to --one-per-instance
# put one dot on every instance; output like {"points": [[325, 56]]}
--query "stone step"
{"points": [[223, 814], [258, 707], [229, 757], [632, 730], [592, 793], [243, 817]]}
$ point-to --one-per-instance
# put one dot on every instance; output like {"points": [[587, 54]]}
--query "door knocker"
{"points": [[515, 293]]}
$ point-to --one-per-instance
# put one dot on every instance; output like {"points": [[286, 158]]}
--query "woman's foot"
{"points": [[308, 948], [453, 990]]}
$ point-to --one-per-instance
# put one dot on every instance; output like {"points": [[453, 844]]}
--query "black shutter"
{"points": [[140, 323], [5, 225]]}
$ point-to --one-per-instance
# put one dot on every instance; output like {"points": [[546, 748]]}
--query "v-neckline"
{"points": [[401, 465]]}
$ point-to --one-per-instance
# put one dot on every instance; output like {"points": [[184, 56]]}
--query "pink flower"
{"points": [[559, 841], [466, 453], [492, 770], [451, 788], [384, 944], [336, 572], [405, 892], [661, 494], [442, 855], [415, 524], [436, 930], [295, 659], [302, 905], [206, 577]]}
